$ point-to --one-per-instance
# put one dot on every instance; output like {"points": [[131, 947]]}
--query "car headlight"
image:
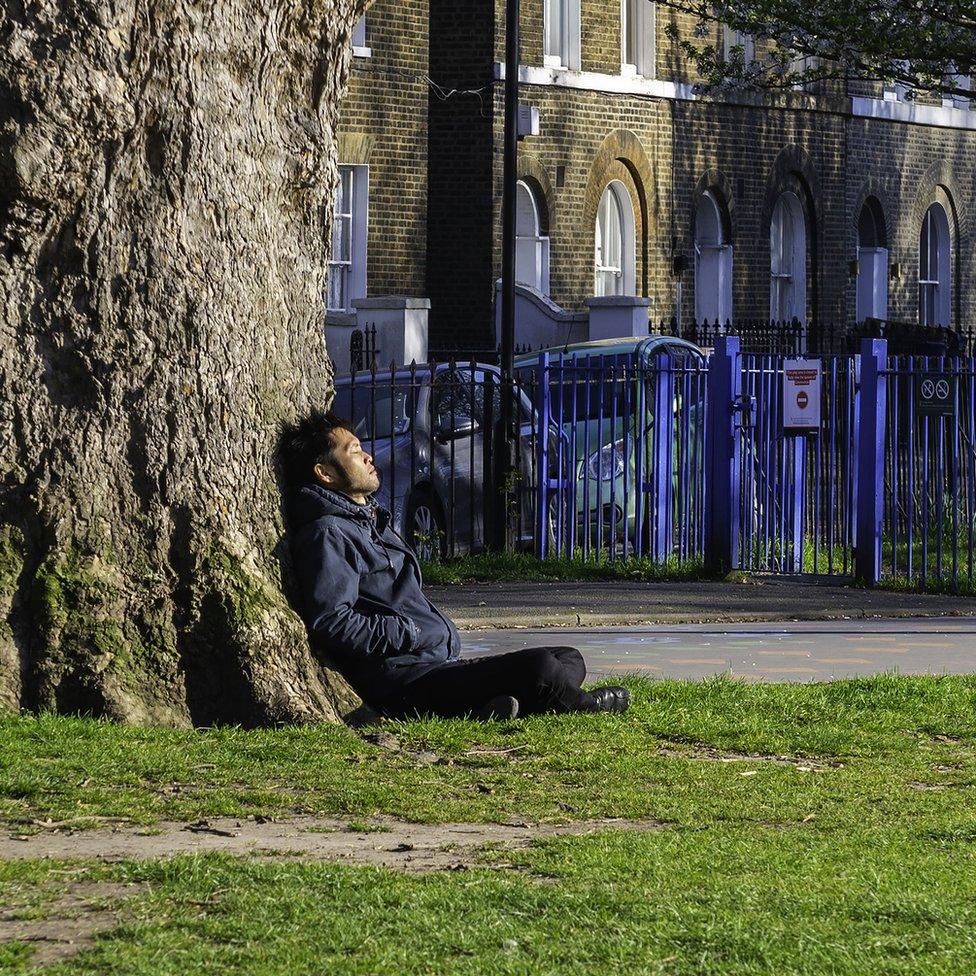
{"points": [[608, 462]]}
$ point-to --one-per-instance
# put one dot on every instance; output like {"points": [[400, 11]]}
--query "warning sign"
{"points": [[935, 395], [801, 395]]}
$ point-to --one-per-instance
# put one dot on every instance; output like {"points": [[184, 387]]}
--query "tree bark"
{"points": [[166, 176]]}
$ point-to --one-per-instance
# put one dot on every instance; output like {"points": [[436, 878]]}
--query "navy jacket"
{"points": [[361, 588]]}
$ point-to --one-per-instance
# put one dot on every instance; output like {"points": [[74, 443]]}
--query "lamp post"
{"points": [[504, 461]]}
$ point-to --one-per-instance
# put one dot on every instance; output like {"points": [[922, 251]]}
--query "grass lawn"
{"points": [[804, 829], [523, 567]]}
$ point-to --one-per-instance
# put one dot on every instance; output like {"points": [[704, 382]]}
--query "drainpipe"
{"points": [[504, 461]]}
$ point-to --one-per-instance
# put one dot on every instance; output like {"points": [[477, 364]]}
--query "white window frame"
{"points": [[788, 267], [871, 295], [733, 38], [531, 245], [641, 62], [895, 91], [625, 274], [935, 290], [713, 265], [359, 48], [805, 62], [958, 101], [355, 218], [568, 53]]}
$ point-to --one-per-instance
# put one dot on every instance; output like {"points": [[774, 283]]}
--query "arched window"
{"points": [[788, 260], [531, 245], [934, 286], [614, 253], [713, 263], [872, 262]]}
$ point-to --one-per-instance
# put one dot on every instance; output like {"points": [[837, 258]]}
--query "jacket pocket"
{"points": [[412, 631]]}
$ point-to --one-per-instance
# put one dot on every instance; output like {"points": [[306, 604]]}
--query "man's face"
{"points": [[350, 469]]}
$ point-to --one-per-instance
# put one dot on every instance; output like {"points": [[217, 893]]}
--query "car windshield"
{"points": [[460, 400], [588, 390], [375, 412]]}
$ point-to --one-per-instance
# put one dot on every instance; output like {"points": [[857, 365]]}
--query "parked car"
{"points": [[602, 396], [432, 433]]}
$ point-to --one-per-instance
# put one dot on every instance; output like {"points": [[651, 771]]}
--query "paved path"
{"points": [[802, 651], [481, 605]]}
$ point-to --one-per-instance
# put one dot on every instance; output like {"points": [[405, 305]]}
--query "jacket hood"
{"points": [[313, 502]]}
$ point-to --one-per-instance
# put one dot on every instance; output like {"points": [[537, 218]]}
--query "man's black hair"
{"points": [[307, 442]]}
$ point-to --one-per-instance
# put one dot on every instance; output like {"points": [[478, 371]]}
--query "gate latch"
{"points": [[743, 411]]}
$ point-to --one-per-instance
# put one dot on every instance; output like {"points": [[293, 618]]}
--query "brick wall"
{"points": [[384, 124], [667, 152], [908, 167]]}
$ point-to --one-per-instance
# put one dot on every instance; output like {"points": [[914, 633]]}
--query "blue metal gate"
{"points": [[796, 491], [930, 471], [624, 449], [779, 500]]}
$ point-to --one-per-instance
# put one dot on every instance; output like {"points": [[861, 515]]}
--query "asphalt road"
{"points": [[796, 651], [475, 606]]}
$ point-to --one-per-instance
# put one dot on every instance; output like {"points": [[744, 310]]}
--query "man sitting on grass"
{"points": [[364, 604]]}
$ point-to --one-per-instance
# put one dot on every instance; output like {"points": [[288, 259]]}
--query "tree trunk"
{"points": [[166, 172]]}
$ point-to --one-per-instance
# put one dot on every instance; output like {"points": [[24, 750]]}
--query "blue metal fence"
{"points": [[626, 445], [930, 471], [676, 458], [796, 495]]}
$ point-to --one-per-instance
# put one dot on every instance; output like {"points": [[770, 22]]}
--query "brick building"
{"points": [[380, 221], [829, 204]]}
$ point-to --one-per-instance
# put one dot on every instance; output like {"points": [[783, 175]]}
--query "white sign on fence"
{"points": [[801, 394]]}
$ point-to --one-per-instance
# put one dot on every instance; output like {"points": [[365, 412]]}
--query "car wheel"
{"points": [[426, 534], [552, 522]]}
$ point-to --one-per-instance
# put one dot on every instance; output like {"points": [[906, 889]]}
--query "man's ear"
{"points": [[323, 474]]}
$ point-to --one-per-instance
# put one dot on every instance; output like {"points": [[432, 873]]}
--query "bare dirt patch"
{"points": [[379, 841], [70, 923], [804, 764]]}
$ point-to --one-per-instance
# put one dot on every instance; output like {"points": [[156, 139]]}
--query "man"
{"points": [[364, 603]]}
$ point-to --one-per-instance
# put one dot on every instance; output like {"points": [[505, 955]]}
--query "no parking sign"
{"points": [[801, 395]]}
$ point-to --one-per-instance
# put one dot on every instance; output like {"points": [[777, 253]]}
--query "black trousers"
{"points": [[543, 679]]}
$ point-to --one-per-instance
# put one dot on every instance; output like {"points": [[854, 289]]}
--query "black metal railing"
{"points": [[432, 430], [796, 338]]}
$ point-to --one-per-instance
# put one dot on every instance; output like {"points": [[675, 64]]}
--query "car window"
{"points": [[460, 398], [683, 355], [384, 412], [588, 389]]}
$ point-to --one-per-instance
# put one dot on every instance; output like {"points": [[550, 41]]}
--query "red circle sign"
{"points": [[802, 400]]}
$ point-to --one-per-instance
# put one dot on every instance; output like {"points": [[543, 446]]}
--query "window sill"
{"points": [[938, 115], [593, 81]]}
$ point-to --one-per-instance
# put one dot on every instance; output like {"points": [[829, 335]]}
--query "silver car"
{"points": [[432, 433]]}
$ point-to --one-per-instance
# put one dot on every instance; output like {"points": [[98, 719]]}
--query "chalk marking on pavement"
{"points": [[842, 660], [805, 653], [699, 660], [785, 670]]}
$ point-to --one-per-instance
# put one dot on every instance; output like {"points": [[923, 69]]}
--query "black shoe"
{"points": [[498, 709], [607, 699]]}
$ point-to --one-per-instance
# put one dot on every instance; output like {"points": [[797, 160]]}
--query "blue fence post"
{"points": [[722, 470], [870, 460], [798, 493], [663, 440], [543, 408]]}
